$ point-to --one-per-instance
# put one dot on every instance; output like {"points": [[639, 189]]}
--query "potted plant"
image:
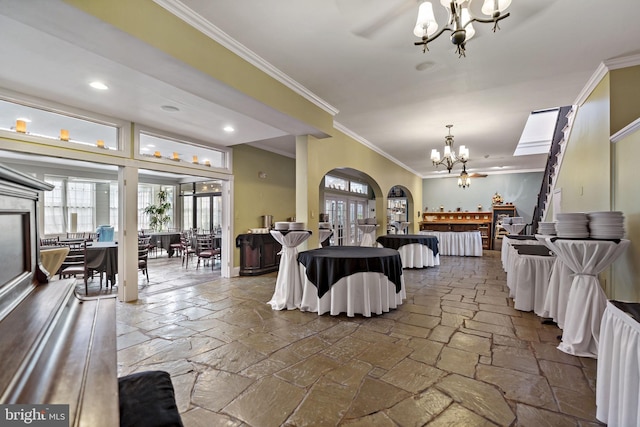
{"points": [[159, 214]]}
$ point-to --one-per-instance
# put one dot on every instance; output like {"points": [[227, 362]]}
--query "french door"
{"points": [[343, 212]]}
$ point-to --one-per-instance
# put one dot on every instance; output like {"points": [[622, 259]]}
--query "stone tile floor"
{"points": [[455, 353]]}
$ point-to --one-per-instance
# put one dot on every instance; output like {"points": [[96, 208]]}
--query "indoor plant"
{"points": [[159, 214]]}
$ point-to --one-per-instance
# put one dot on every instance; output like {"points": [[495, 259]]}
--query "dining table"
{"points": [[164, 240], [102, 257], [618, 369], [457, 243], [351, 280], [587, 301], [506, 249], [528, 278], [288, 291], [416, 250]]}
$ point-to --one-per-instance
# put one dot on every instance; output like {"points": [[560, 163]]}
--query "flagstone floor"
{"points": [[455, 353]]}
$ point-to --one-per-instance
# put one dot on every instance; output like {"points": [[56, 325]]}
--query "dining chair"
{"points": [[187, 250], [76, 235], [143, 257], [205, 250], [75, 263], [177, 246], [50, 241]]}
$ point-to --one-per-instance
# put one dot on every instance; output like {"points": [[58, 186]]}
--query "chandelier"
{"points": [[464, 180], [449, 158], [460, 21]]}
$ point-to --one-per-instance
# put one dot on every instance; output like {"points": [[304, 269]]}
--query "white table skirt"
{"points": [[530, 281], [507, 249], [368, 234], [618, 378], [323, 234], [360, 293], [587, 300], [458, 243], [416, 255], [288, 292], [555, 304]]}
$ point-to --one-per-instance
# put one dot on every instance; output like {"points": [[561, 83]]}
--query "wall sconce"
{"points": [[195, 160], [64, 135], [157, 154], [207, 163], [21, 126], [100, 143], [176, 156], [262, 175]]}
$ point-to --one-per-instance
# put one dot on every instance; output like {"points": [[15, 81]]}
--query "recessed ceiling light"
{"points": [[98, 85], [170, 108], [228, 129], [150, 145]]}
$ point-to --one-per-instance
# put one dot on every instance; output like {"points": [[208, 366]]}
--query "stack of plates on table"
{"points": [[282, 225], [296, 226], [547, 228], [370, 221], [606, 225], [574, 225], [324, 225], [361, 221]]}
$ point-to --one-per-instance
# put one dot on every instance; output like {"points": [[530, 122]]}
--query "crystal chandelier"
{"points": [[449, 158], [460, 21], [464, 180]]}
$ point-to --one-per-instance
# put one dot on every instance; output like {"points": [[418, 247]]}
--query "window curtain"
{"points": [[54, 212]]}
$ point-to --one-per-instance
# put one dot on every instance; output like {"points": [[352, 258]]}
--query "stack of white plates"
{"points": [[361, 221], [370, 221], [324, 225], [606, 225], [281, 225], [517, 220], [296, 226], [574, 225], [547, 228]]}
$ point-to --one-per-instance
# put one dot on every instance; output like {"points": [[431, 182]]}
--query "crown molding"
{"points": [[601, 71], [186, 14], [626, 131], [368, 144]]}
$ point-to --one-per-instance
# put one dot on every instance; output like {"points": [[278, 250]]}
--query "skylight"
{"points": [[538, 133]]}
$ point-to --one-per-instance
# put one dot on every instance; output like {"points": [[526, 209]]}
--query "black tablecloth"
{"points": [[325, 266], [519, 237], [394, 241], [164, 241], [632, 308], [102, 257], [540, 250]]}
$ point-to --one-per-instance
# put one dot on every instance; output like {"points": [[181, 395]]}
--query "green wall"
{"points": [[521, 189], [255, 196]]}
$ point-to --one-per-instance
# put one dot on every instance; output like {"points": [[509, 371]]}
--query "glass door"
{"points": [[343, 213]]}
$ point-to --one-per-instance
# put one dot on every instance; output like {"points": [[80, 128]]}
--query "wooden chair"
{"points": [[177, 247], [74, 264], [143, 256], [187, 250], [205, 250], [50, 241], [76, 235]]}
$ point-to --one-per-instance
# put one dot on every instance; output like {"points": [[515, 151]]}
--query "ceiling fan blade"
{"points": [[478, 175]]}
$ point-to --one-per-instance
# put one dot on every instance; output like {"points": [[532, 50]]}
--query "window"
{"points": [[147, 195], [70, 206], [113, 203]]}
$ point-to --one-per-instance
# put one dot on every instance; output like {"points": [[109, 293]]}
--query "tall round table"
{"points": [[368, 234], [587, 300], [416, 250], [288, 292]]}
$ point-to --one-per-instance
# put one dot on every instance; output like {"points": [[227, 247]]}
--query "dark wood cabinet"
{"points": [[258, 254]]}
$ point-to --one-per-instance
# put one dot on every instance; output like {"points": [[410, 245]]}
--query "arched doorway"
{"points": [[399, 207], [346, 196]]}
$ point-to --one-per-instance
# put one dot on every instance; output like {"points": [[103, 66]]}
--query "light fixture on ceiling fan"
{"points": [[460, 21], [464, 180], [449, 158]]}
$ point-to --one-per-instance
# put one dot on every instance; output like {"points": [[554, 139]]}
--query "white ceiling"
{"points": [[356, 55]]}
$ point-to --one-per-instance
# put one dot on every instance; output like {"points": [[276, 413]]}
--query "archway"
{"points": [[399, 207], [346, 196]]}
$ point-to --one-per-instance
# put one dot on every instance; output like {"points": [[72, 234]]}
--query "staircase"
{"points": [[560, 136]]}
